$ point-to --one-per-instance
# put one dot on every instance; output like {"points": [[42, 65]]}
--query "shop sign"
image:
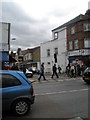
{"points": [[74, 53]]}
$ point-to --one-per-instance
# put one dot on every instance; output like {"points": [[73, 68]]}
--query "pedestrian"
{"points": [[72, 70], [78, 70], [15, 66], [42, 72], [68, 70], [54, 69], [24, 69], [59, 69]]}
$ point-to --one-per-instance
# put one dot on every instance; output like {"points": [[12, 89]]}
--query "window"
{"points": [[48, 52], [70, 45], [48, 63], [76, 44], [86, 27], [72, 30], [56, 50], [86, 43], [55, 35], [9, 81]]}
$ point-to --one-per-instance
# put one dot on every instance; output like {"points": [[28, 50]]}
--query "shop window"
{"points": [[76, 44], [70, 45]]}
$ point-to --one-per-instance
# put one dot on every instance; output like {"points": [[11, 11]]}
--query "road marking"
{"points": [[61, 92], [76, 118]]}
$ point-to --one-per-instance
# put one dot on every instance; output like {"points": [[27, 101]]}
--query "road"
{"points": [[60, 98]]}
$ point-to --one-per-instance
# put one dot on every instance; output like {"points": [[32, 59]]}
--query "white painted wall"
{"points": [[4, 36], [59, 43]]}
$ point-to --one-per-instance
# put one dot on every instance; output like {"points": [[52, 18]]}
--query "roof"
{"points": [[76, 19], [80, 17]]}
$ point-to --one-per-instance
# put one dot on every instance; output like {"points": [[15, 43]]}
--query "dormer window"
{"points": [[55, 35]]}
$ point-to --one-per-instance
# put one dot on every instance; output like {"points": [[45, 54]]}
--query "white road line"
{"points": [[61, 92]]}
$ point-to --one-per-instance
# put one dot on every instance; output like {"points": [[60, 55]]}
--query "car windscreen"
{"points": [[87, 69]]}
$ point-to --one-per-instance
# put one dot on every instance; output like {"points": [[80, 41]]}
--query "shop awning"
{"points": [[4, 57]]}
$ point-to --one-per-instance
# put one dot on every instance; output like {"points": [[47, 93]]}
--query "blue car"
{"points": [[17, 92]]}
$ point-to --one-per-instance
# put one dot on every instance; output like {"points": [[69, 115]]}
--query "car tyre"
{"points": [[21, 107]]}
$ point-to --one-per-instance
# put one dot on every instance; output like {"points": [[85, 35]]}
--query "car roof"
{"points": [[9, 71]]}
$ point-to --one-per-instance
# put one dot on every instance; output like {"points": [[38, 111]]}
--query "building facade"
{"points": [[4, 43], [29, 57], [57, 46], [78, 39], [70, 42]]}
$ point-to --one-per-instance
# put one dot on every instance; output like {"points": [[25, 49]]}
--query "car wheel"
{"points": [[21, 107]]}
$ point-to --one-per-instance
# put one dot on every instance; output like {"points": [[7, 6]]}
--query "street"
{"points": [[59, 98]]}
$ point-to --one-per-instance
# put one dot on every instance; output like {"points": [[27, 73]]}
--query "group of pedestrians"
{"points": [[15, 67], [54, 72], [74, 70]]}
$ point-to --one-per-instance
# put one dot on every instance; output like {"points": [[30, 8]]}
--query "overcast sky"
{"points": [[32, 21]]}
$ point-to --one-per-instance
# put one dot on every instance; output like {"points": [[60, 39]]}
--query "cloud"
{"points": [[32, 20], [28, 31]]}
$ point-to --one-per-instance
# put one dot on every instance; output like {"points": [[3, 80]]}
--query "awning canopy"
{"points": [[4, 57]]}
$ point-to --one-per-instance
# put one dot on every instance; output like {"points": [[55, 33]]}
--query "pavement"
{"points": [[62, 77]]}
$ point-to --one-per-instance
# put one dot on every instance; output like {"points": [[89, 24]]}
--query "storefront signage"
{"points": [[79, 52]]}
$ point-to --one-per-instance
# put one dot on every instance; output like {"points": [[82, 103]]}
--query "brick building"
{"points": [[29, 57], [78, 38]]}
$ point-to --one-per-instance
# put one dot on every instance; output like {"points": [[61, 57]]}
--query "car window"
{"points": [[9, 81], [87, 69]]}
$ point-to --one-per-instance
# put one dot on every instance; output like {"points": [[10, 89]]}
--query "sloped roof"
{"points": [[76, 19]]}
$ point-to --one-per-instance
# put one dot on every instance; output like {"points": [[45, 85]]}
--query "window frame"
{"points": [[56, 50], [56, 35], [86, 26], [48, 52], [76, 44], [73, 30], [70, 45], [13, 84], [87, 44]]}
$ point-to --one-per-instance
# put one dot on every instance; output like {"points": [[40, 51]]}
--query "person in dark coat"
{"points": [[42, 72], [54, 71], [24, 69], [59, 69]]}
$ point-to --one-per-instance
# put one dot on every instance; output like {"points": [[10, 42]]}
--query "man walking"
{"points": [[55, 71], [42, 72]]}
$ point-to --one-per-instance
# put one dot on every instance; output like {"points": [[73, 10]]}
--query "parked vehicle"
{"points": [[34, 70], [29, 73], [86, 75], [17, 92]]}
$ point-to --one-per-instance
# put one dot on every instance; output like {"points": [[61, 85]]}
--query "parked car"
{"points": [[86, 75], [34, 70], [17, 92], [29, 73]]}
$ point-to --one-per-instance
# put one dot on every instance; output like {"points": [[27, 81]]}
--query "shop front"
{"points": [[82, 56]]}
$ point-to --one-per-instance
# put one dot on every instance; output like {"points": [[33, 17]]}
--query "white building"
{"points": [[56, 45]]}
